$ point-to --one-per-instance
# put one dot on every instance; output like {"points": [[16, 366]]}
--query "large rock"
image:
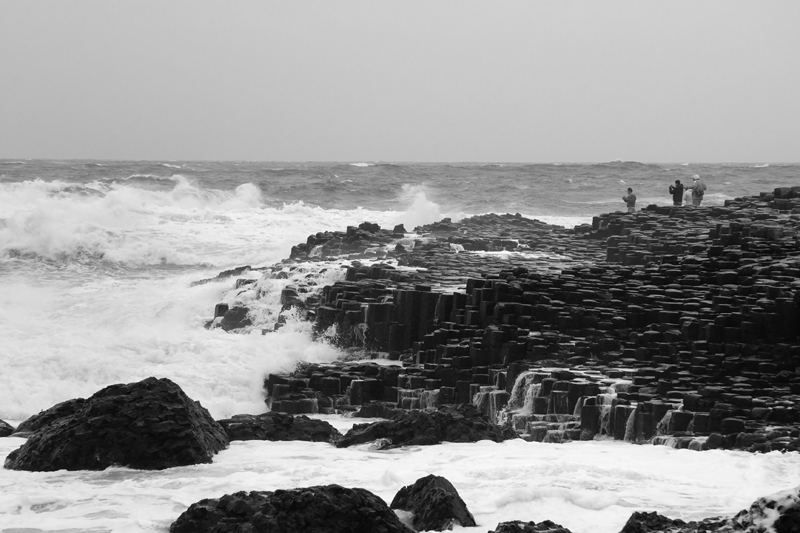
{"points": [[779, 513], [320, 509], [518, 526], [279, 427], [150, 425], [451, 423], [43, 418], [435, 504], [6, 429]]}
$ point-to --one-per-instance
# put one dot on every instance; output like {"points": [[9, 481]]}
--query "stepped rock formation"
{"points": [[150, 424], [670, 325]]}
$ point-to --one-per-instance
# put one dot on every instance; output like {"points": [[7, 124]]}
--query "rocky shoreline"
{"points": [[670, 325]]}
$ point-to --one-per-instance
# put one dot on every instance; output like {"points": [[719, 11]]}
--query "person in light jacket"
{"points": [[698, 190], [630, 200]]}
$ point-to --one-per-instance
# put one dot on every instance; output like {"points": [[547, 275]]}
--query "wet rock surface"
{"points": [[150, 424], [319, 509], [435, 504], [279, 427], [450, 423]]}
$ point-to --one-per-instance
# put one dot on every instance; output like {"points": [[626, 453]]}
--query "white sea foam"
{"points": [[586, 487], [362, 164], [184, 225], [420, 210], [69, 339]]}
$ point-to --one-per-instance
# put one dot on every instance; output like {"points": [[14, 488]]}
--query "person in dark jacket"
{"points": [[677, 193], [630, 201]]}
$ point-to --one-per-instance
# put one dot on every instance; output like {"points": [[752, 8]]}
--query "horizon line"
{"points": [[405, 162]]}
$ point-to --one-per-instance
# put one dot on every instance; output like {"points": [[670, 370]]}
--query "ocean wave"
{"points": [[765, 165], [361, 164], [619, 163], [170, 166], [147, 178], [148, 182]]}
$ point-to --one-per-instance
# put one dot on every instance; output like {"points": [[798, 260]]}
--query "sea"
{"points": [[98, 268]]}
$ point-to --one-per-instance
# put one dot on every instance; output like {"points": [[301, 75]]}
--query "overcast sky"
{"points": [[341, 80]]}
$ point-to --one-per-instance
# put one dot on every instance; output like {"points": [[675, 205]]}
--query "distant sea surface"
{"points": [[97, 260], [457, 189]]}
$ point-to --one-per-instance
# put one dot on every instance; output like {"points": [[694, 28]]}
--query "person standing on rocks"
{"points": [[677, 193], [698, 190], [630, 200]]}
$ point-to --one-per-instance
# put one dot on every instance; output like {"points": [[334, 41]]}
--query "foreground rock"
{"points": [[279, 427], [320, 509], [518, 526], [150, 424], [435, 504], [451, 423]]}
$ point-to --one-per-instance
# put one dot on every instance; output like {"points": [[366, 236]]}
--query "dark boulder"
{"points": [[320, 509], [435, 503], [641, 522], [451, 423], [518, 526], [235, 318], [370, 227], [48, 416], [150, 425], [279, 427], [6, 429]]}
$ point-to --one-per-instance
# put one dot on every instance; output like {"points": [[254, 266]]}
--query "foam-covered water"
{"points": [[589, 487], [97, 264]]}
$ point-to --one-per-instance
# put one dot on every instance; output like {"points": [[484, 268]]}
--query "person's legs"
{"points": [[696, 200], [631, 210]]}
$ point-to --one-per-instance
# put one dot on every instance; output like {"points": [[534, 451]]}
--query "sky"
{"points": [[449, 80]]}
